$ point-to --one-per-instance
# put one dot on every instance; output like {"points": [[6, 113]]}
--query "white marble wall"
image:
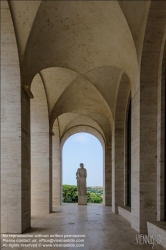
{"points": [[135, 163]]}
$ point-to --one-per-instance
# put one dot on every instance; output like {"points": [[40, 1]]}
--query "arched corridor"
{"points": [[97, 67]]}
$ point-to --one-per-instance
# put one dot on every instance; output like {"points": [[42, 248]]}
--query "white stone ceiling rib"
{"points": [[65, 119], [104, 124], [81, 97], [70, 120], [56, 80], [105, 79], [136, 13]]}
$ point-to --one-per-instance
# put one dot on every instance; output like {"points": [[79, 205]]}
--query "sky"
{"points": [[82, 148]]}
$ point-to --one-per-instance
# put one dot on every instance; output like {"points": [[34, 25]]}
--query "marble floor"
{"points": [[96, 225]]}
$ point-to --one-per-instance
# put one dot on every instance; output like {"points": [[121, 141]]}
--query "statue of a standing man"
{"points": [[81, 175]]}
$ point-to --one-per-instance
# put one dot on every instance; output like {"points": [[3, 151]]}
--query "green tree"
{"points": [[69, 194], [88, 196], [95, 198]]}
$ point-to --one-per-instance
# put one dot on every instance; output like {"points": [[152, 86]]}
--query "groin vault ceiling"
{"points": [[80, 50]]}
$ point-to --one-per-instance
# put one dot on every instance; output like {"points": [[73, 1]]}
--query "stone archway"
{"points": [[94, 132]]}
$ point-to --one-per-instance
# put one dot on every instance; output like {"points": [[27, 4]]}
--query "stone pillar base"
{"points": [[82, 200]]}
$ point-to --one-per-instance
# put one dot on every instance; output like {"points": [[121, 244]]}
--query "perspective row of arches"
{"points": [[131, 130]]}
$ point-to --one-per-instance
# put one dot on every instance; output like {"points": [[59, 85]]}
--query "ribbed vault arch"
{"points": [[85, 129]]}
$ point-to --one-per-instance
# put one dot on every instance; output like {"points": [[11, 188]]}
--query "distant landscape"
{"points": [[70, 194], [97, 190]]}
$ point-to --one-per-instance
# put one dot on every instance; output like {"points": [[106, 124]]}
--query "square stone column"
{"points": [[108, 176], [56, 167], [25, 161], [15, 137], [41, 148]]}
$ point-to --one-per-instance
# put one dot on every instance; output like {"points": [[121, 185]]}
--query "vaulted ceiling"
{"points": [[80, 49]]}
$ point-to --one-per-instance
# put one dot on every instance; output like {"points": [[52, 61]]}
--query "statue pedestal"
{"points": [[82, 200]]}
